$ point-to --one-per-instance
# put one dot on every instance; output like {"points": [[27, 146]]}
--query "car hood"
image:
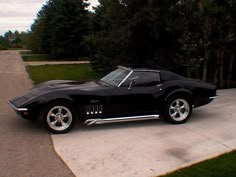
{"points": [[66, 85], [58, 85]]}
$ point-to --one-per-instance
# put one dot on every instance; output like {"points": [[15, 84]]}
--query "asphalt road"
{"points": [[26, 149]]}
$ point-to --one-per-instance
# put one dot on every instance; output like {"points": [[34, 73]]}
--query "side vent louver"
{"points": [[94, 109]]}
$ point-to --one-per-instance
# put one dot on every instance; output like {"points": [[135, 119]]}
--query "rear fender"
{"points": [[180, 91]]}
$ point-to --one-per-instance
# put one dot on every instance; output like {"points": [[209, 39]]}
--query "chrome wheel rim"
{"points": [[59, 118], [179, 109]]}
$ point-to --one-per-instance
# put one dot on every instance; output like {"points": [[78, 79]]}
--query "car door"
{"points": [[138, 94]]}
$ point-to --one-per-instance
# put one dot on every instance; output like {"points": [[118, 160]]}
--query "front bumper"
{"points": [[17, 109], [22, 112]]}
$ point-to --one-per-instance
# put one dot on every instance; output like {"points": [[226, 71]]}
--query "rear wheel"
{"points": [[178, 110], [59, 117]]}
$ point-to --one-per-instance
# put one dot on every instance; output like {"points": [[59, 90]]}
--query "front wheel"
{"points": [[59, 118], [178, 110]]}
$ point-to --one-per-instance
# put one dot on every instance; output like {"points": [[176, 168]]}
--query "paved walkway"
{"points": [[26, 148], [150, 148], [37, 63]]}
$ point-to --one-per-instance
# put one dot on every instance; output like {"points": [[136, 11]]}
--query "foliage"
{"points": [[195, 38], [190, 37], [4, 44], [12, 40], [138, 35], [59, 28], [44, 73]]}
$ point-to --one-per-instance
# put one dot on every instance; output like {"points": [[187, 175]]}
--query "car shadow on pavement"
{"points": [[121, 125], [36, 127], [198, 115], [24, 126]]}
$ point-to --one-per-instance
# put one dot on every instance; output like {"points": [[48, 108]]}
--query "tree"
{"points": [[106, 40], [60, 27], [4, 44], [139, 35], [193, 35], [11, 40]]}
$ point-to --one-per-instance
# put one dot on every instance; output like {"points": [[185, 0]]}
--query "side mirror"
{"points": [[130, 84], [132, 81]]}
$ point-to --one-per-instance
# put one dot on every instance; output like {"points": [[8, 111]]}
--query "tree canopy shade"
{"points": [[192, 34], [59, 28], [192, 37], [131, 32]]}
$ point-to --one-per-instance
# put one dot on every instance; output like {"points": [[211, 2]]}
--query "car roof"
{"points": [[138, 69], [166, 75]]}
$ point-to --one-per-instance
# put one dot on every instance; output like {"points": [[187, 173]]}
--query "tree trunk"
{"points": [[222, 69], [230, 70], [217, 67], [204, 77], [205, 67]]}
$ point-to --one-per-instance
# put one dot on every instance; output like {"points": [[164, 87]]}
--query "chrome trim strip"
{"points": [[125, 78], [139, 69], [213, 97], [17, 109], [125, 68], [146, 70], [120, 119]]}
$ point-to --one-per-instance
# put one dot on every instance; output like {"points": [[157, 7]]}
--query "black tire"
{"points": [[178, 113], [58, 117]]}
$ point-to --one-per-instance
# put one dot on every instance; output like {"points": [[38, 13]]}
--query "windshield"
{"points": [[115, 77]]}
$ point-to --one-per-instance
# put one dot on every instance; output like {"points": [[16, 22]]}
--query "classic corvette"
{"points": [[126, 94]]}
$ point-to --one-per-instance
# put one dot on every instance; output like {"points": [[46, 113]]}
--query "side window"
{"points": [[144, 78]]}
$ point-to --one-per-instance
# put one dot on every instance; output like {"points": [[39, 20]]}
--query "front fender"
{"points": [[38, 101]]}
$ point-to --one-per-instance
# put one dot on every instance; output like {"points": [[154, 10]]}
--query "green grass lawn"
{"points": [[36, 57], [222, 166], [25, 52], [45, 57], [43, 73], [29, 56]]}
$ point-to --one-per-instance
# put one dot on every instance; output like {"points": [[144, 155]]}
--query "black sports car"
{"points": [[125, 94]]}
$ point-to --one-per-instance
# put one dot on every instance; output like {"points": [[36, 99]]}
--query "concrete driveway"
{"points": [[26, 148], [134, 149], [150, 148]]}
